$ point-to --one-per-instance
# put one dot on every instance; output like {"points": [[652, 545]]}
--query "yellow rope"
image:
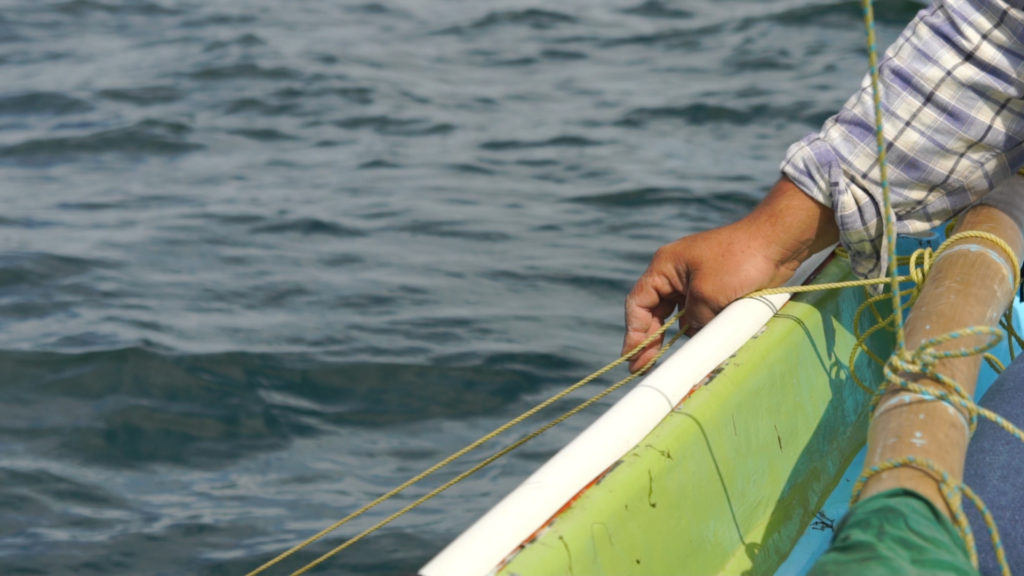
{"points": [[919, 264], [479, 442], [951, 492], [887, 212], [489, 460], [923, 360]]}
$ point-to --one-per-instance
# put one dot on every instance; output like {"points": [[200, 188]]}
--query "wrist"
{"points": [[792, 225]]}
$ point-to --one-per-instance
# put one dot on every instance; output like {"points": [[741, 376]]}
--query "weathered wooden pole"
{"points": [[970, 284]]}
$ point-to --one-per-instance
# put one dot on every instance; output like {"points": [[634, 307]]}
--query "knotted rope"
{"points": [[923, 360]]}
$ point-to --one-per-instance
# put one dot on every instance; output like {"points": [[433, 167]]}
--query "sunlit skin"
{"points": [[706, 271]]}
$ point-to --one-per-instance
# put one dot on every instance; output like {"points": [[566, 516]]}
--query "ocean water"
{"points": [[261, 261]]}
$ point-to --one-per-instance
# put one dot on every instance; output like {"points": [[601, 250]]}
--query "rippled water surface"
{"points": [[261, 260]]}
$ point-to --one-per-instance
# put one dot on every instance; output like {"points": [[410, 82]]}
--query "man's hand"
{"points": [[703, 273], [708, 270]]}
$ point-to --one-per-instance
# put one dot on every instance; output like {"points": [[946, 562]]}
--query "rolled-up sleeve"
{"points": [[952, 90]]}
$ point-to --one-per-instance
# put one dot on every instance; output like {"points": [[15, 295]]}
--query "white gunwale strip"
{"points": [[484, 546]]}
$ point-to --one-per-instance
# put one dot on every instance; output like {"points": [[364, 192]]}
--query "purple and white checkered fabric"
{"points": [[953, 108]]}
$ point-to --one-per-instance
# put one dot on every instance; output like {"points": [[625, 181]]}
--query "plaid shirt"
{"points": [[953, 108]]}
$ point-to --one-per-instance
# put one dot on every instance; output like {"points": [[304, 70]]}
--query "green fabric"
{"points": [[895, 532]]}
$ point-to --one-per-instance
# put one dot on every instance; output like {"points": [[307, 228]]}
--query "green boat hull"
{"points": [[730, 479]]}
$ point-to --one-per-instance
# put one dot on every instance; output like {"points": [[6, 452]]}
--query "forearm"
{"points": [[792, 225], [953, 122]]}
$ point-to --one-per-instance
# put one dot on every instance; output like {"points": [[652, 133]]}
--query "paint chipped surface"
{"points": [[919, 440]]}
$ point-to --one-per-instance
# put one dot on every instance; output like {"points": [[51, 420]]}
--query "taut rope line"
{"points": [[920, 361], [883, 169], [924, 257], [490, 459], [476, 444]]}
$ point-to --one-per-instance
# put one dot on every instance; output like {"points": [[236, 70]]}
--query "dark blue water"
{"points": [[260, 261]]}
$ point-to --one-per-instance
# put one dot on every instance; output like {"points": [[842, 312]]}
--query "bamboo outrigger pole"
{"points": [[970, 284]]}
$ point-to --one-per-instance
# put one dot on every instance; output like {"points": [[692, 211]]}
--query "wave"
{"points": [[702, 113], [352, 94], [220, 19], [467, 168], [134, 407], [657, 196], [291, 100], [453, 230], [558, 141], [637, 197], [534, 18], [262, 134], [249, 105], [84, 7], [247, 40], [145, 138], [657, 9], [128, 202], [693, 114], [42, 103], [498, 59], [26, 222], [245, 71], [390, 126], [379, 164], [674, 39], [375, 8], [39, 268], [838, 14], [562, 55], [41, 489], [143, 95], [308, 226]]}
